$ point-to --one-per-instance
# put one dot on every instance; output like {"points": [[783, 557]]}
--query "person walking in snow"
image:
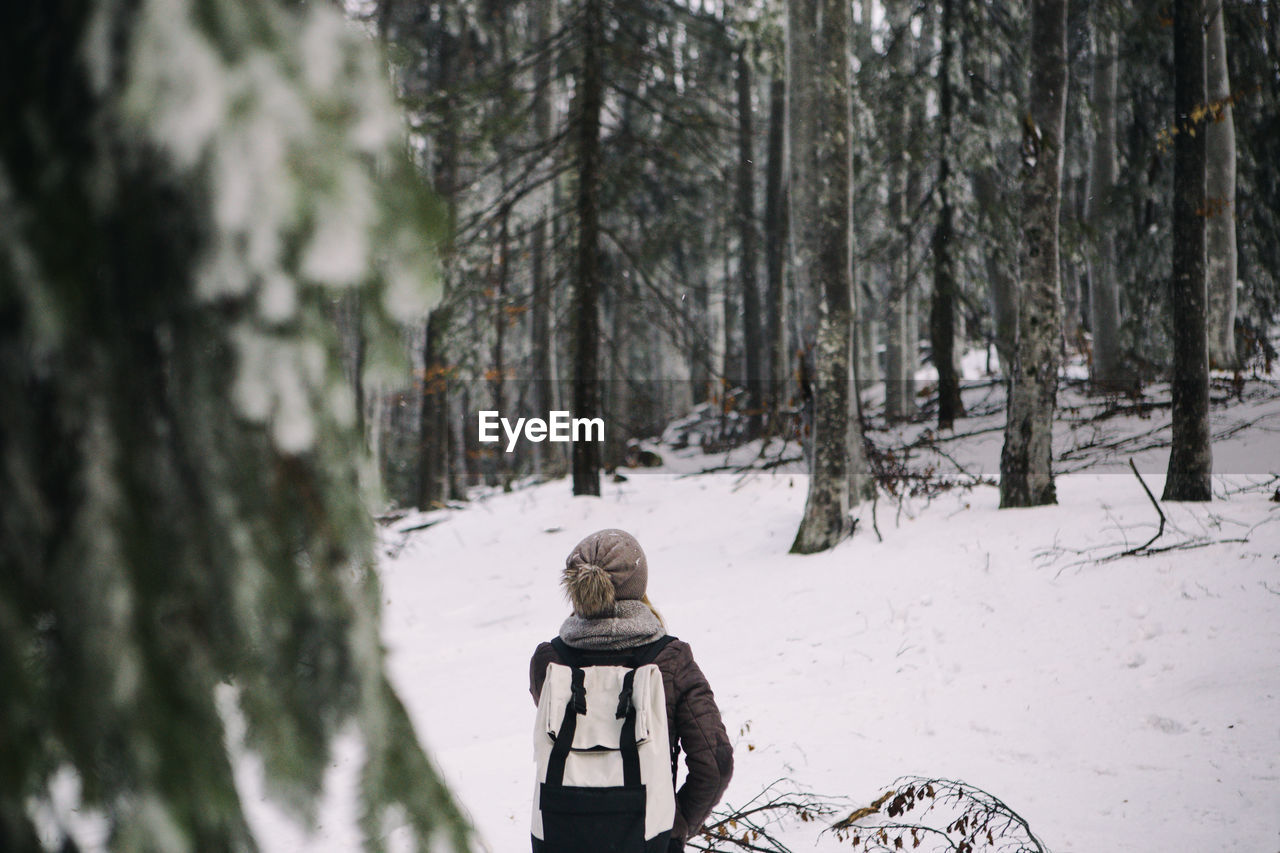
{"points": [[605, 579]]}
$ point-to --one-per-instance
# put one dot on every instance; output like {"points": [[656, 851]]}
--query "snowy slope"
{"points": [[1127, 705]]}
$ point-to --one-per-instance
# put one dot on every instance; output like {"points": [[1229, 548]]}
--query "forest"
{"points": [[659, 207], [285, 285]]}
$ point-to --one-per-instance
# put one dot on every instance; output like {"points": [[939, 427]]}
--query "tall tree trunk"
{"points": [[775, 239], [1069, 273], [826, 515], [900, 335], [1026, 461], [1191, 457], [942, 312], [1109, 370], [866, 370], [730, 313], [616, 395], [802, 130], [918, 169], [436, 480], [919, 154], [465, 470], [1220, 193], [498, 382], [498, 379], [752, 336], [548, 459], [999, 264], [724, 360], [561, 344], [433, 455], [866, 333], [586, 369]]}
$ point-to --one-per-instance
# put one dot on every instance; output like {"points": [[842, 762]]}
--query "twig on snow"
{"points": [[1154, 503], [751, 827]]}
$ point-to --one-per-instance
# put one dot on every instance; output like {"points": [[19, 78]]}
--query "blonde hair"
{"points": [[647, 603]]}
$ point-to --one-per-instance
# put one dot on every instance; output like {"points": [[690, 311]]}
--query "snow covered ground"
{"points": [[1125, 704]]}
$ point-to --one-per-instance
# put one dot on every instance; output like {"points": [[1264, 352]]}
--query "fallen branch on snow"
{"points": [[941, 814], [1145, 549], [1155, 503], [752, 827]]}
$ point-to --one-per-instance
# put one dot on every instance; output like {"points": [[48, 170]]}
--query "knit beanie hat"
{"points": [[607, 566]]}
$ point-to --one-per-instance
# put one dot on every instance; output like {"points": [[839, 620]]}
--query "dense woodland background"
{"points": [[636, 194], [227, 272]]}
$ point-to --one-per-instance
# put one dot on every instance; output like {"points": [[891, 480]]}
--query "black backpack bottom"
{"points": [[595, 820]]}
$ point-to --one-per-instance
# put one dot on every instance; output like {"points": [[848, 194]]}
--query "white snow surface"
{"points": [[1126, 705]]}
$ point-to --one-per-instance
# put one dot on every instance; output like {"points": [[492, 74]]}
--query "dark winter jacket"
{"points": [[696, 729]]}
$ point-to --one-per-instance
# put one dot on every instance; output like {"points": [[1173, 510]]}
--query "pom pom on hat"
{"points": [[607, 566], [590, 590]]}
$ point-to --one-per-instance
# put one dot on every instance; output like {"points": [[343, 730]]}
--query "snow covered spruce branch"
{"points": [[938, 815], [753, 826], [189, 583]]}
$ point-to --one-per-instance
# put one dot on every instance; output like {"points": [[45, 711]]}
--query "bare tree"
{"points": [[828, 219], [1220, 192], [753, 336], [998, 262], [586, 294], [548, 460], [436, 476], [775, 241], [802, 131], [900, 333], [1191, 457], [1026, 461], [1109, 369], [942, 310]]}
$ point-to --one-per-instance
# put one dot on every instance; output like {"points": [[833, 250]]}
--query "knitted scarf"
{"points": [[633, 624]]}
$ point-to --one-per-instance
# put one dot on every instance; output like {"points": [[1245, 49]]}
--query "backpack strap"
{"points": [[569, 725], [646, 654], [634, 658], [627, 741], [567, 653]]}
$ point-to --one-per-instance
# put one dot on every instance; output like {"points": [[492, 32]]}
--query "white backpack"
{"points": [[604, 765]]}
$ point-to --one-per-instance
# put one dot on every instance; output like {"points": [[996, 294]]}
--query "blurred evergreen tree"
{"points": [[185, 186]]}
